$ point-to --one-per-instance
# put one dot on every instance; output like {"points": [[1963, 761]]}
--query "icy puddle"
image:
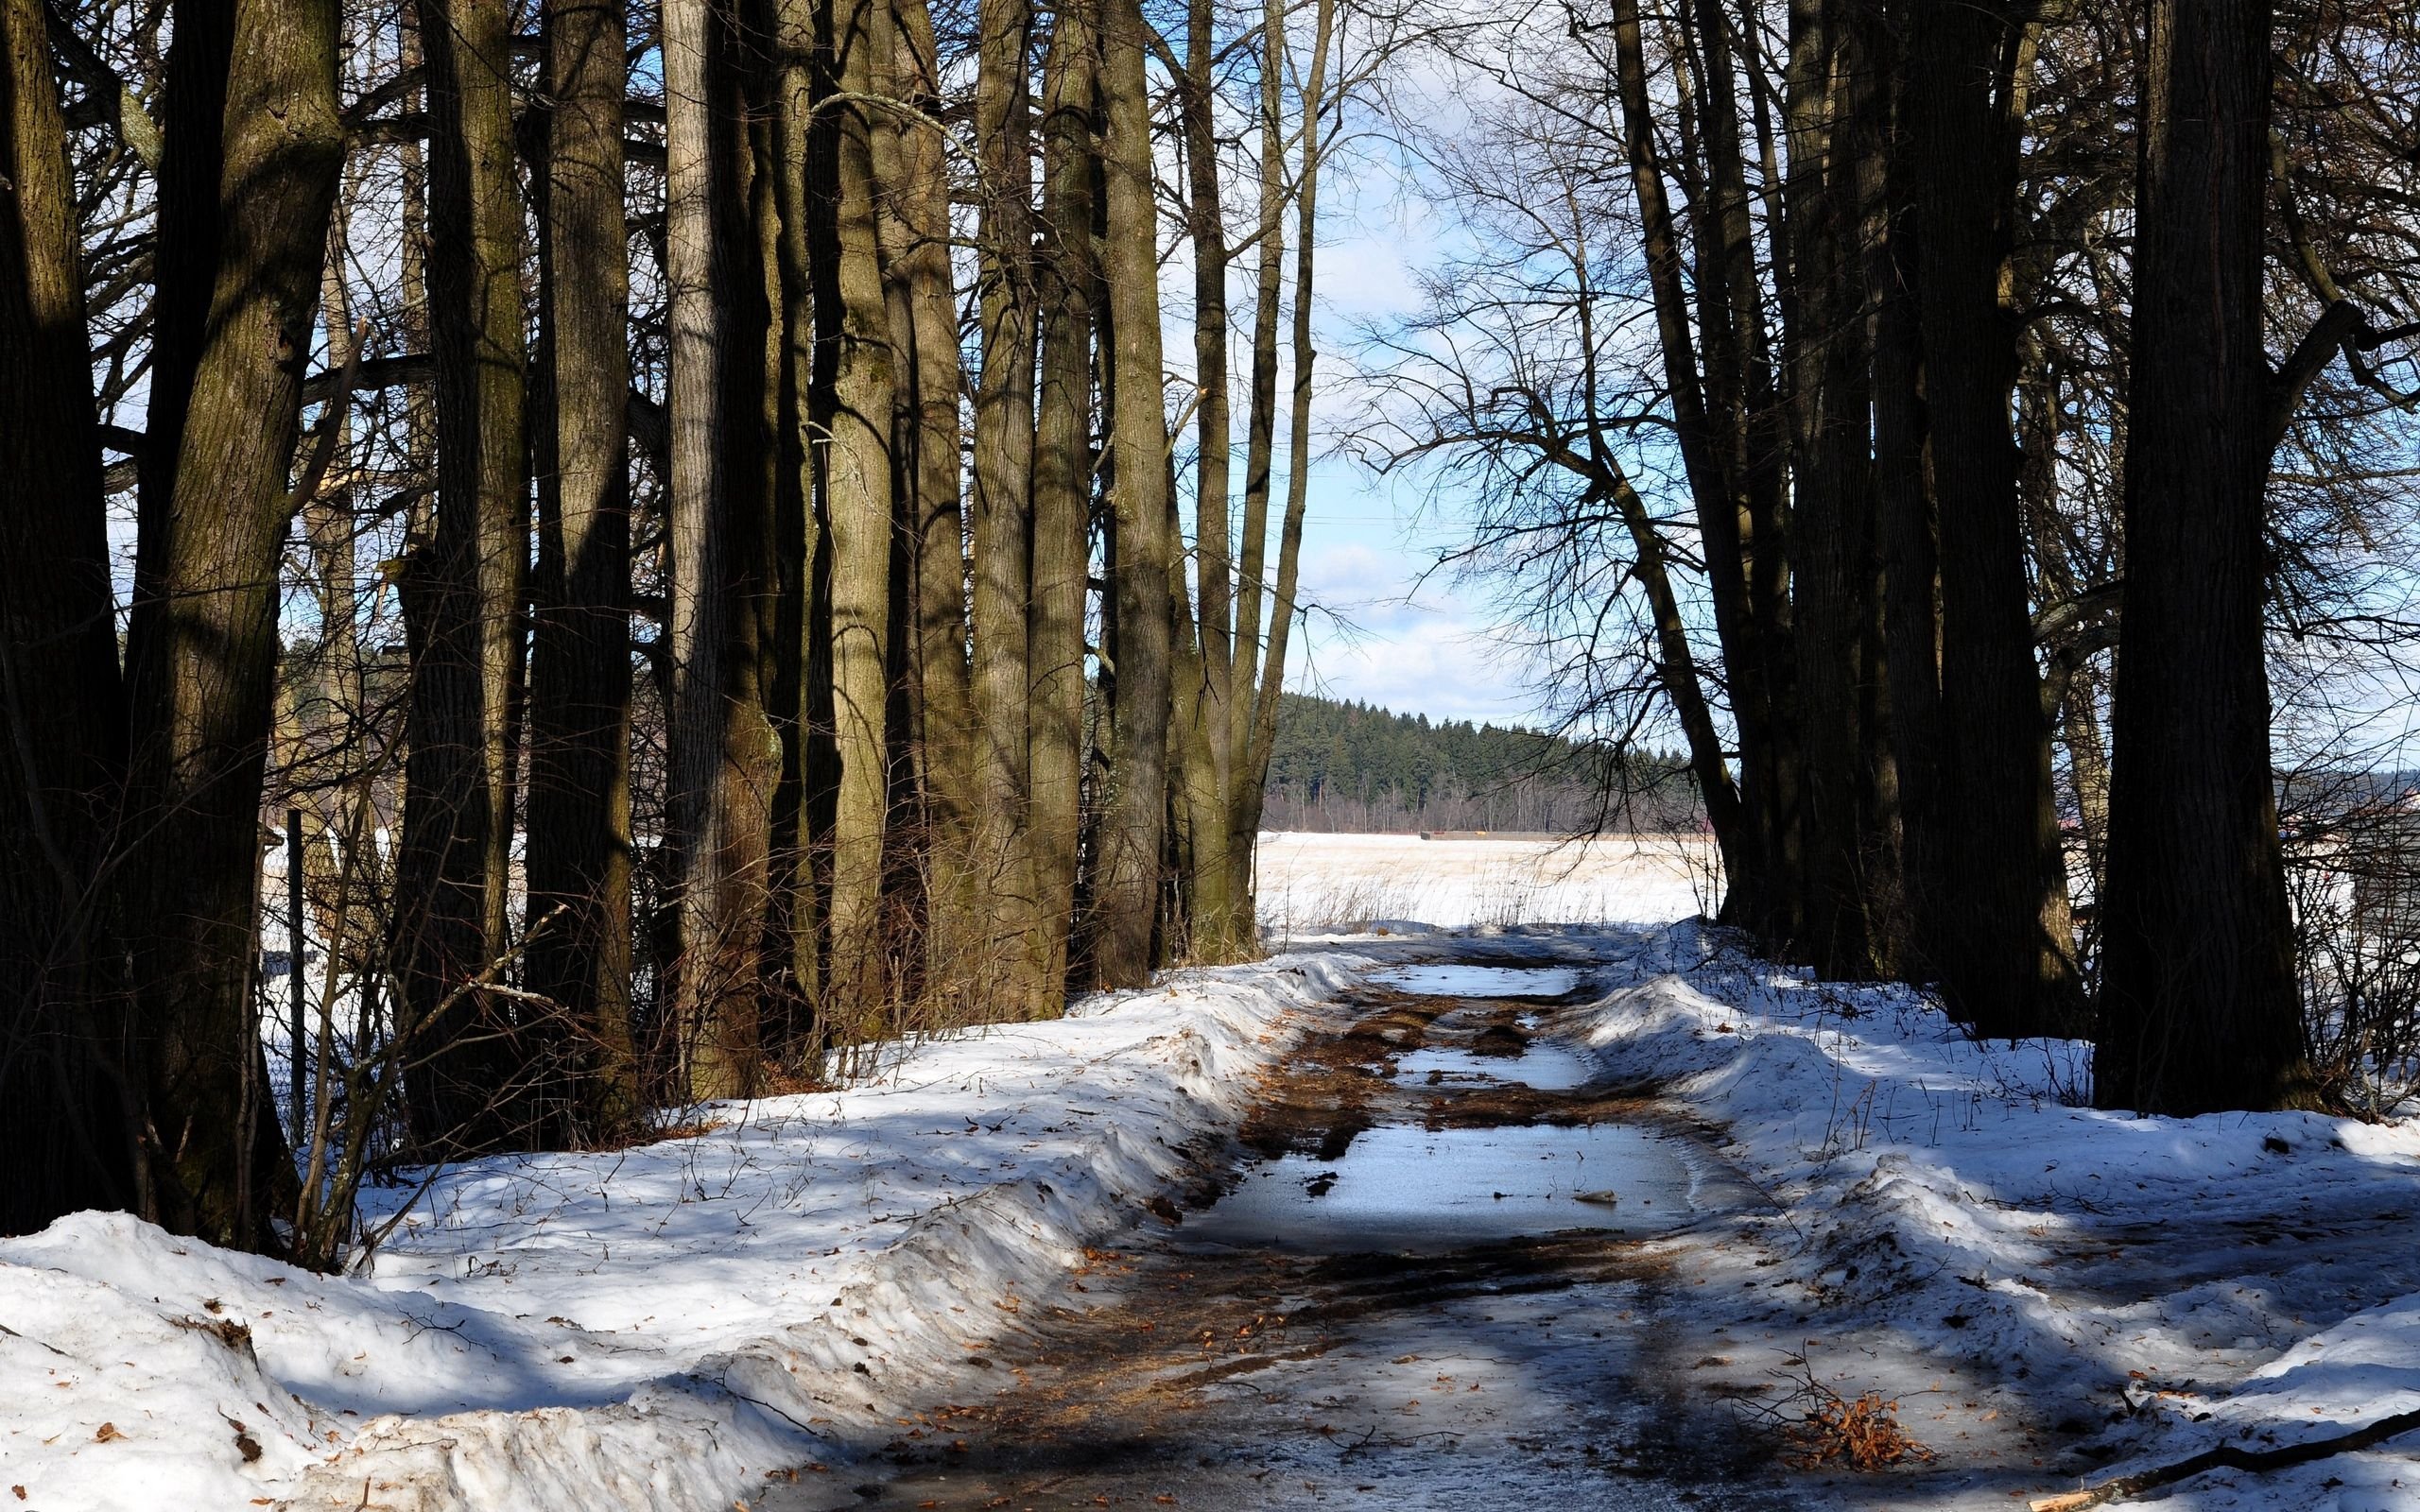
{"points": [[1479, 980], [1548, 1068], [1399, 1190]]}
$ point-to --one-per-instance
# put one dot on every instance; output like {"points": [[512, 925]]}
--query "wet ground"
{"points": [[1431, 1278]]}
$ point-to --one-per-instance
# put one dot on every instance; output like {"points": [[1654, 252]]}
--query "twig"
{"points": [[2226, 1456]]}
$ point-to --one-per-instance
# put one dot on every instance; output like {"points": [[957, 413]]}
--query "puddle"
{"points": [[1480, 981], [1400, 1189], [1547, 1068]]}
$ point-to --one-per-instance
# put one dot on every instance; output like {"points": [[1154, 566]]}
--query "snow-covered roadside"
{"points": [[2026, 1275], [658, 1328]]}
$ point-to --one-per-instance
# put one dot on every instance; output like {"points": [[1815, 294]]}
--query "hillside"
{"points": [[1356, 769]]}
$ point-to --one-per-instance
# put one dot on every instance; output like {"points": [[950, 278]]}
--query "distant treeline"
{"points": [[1356, 769]]}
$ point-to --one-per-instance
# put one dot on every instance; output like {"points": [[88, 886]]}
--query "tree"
{"points": [[1126, 899], [62, 1104], [580, 673], [2199, 1007], [246, 190], [2000, 938]]}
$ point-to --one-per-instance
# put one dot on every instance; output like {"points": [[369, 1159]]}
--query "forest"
{"points": [[643, 547], [654, 669], [1346, 766], [668, 517], [1982, 434]]}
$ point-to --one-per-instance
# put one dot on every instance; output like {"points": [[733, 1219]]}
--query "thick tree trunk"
{"points": [[579, 674], [2001, 936], [2198, 1002], [1008, 848], [246, 190], [1126, 903], [63, 1112], [857, 369], [1906, 523], [961, 872], [1062, 484], [454, 874], [1849, 888], [800, 688], [724, 761]]}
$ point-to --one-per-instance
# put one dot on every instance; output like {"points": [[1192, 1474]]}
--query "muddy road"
{"points": [[1434, 1275]]}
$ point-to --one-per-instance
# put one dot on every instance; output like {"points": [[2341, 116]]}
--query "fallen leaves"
{"points": [[1864, 1433], [106, 1432]]}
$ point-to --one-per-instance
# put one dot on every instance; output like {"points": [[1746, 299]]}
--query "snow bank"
{"points": [[2164, 1283], [656, 1328]]}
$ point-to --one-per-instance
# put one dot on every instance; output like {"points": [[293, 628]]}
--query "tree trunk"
{"points": [[244, 197], [1126, 903], [454, 874], [1844, 931], [579, 674], [1260, 446], [1905, 524], [2001, 939], [1720, 516], [723, 759], [959, 873], [1254, 774], [62, 734], [1008, 848], [857, 369], [800, 690], [2199, 1001], [1752, 427], [1221, 926], [1062, 484]]}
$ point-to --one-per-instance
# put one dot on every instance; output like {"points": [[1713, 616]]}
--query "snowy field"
{"points": [[1317, 885]]}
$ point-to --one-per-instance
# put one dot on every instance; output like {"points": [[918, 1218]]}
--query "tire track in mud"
{"points": [[1187, 1375]]}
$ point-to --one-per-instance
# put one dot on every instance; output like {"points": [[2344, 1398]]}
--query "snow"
{"points": [[650, 1328], [2054, 1294], [1321, 885], [1479, 980], [1968, 1238]]}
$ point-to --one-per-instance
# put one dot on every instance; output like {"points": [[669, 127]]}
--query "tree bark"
{"points": [[2000, 937], [62, 734], [1906, 527], [1260, 447], [579, 675], [2200, 1010], [959, 870], [246, 190], [724, 761], [1009, 849], [1063, 466], [857, 369], [1847, 883], [1126, 902], [453, 872], [1221, 927]]}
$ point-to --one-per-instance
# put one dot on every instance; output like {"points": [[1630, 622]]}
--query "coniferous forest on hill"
{"points": [[1349, 767]]}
